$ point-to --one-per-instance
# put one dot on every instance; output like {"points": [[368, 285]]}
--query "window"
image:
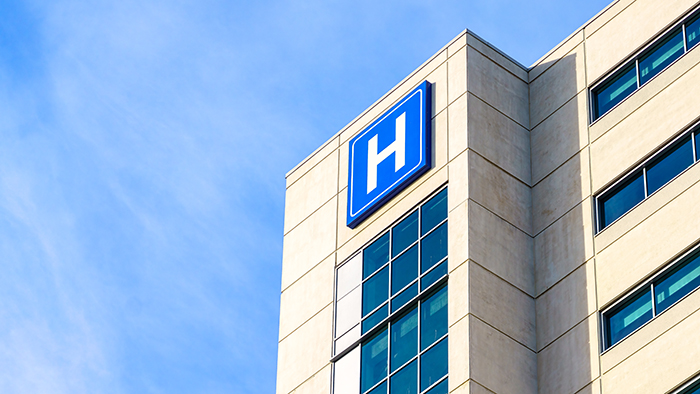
{"points": [[654, 173], [644, 66], [396, 288], [692, 387], [676, 281]]}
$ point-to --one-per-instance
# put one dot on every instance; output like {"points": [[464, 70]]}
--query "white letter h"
{"points": [[398, 147]]}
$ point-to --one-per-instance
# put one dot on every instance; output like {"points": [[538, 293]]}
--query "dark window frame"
{"points": [[659, 276], [618, 184], [633, 61]]}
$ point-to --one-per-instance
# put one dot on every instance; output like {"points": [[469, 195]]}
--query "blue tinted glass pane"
{"points": [[617, 202], [661, 56], [404, 234], [670, 164], [692, 32], [697, 146], [632, 315], [406, 380], [404, 270], [433, 318], [694, 389], [433, 276], [375, 318], [374, 361], [433, 212], [614, 91], [404, 340], [405, 296], [433, 248], [381, 389], [375, 291], [678, 283], [433, 365], [440, 388], [375, 256]]}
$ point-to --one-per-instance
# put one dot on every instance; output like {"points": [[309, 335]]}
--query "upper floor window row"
{"points": [[641, 68], [692, 387], [660, 293], [391, 272], [646, 179]]}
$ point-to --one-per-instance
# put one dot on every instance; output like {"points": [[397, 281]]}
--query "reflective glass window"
{"points": [[692, 32], [660, 56], [433, 365], [434, 275], [670, 164], [404, 234], [381, 389], [617, 202], [375, 256], [404, 269], [375, 318], [697, 146], [677, 284], [375, 291], [374, 361], [405, 296], [404, 339], [692, 389], [440, 388], [433, 318], [405, 381], [628, 317], [615, 90], [434, 247], [433, 212]]}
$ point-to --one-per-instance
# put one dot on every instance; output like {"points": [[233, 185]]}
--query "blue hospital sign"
{"points": [[389, 154]]}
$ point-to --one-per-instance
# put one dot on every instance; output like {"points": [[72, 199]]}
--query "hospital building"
{"points": [[491, 228]]}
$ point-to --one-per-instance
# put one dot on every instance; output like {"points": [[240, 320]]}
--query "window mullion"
{"points": [[685, 41], [636, 66], [653, 301], [646, 188]]}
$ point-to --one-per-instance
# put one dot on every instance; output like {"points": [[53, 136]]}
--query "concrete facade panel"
{"points": [[565, 305], [457, 71], [311, 191], [496, 56], [559, 137], [499, 139], [563, 246], [560, 191], [556, 86], [496, 86], [501, 248], [457, 127], [559, 372], [502, 305], [309, 243], [459, 355], [550, 59], [500, 192], [306, 297], [499, 363], [305, 352]]}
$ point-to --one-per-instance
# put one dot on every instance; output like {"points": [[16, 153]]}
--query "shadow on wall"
{"points": [[567, 333]]}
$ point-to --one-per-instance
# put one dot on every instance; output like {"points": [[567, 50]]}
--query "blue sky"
{"points": [[143, 147]]}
